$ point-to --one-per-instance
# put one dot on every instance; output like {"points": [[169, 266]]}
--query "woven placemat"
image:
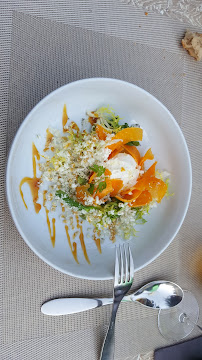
{"points": [[45, 55]]}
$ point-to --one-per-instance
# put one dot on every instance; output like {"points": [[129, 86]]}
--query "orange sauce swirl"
{"points": [[33, 183], [81, 238], [74, 248], [52, 234], [49, 138], [64, 118], [97, 241]]}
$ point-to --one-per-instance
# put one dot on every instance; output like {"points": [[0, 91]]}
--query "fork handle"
{"points": [[107, 352]]}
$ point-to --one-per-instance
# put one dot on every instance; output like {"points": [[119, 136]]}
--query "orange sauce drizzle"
{"points": [[49, 138], [52, 236], [64, 118], [75, 234], [72, 222], [74, 249], [81, 238], [32, 182], [97, 241], [63, 208], [74, 126], [113, 233]]}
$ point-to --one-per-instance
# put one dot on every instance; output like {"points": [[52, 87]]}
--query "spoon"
{"points": [[156, 294]]}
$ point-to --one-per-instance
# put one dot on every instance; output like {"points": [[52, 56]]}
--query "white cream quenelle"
{"points": [[124, 167]]}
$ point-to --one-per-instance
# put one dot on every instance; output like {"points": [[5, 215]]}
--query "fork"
{"points": [[123, 279]]}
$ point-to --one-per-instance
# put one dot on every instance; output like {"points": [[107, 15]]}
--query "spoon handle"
{"points": [[67, 306]]}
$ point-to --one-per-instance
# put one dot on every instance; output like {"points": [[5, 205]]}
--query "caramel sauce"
{"points": [[49, 138], [74, 249], [75, 234], [63, 208], [64, 118], [72, 222], [74, 126], [52, 235], [113, 233], [33, 183], [97, 241], [81, 238]]}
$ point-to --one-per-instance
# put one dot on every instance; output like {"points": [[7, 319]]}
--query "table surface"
{"points": [[45, 44]]}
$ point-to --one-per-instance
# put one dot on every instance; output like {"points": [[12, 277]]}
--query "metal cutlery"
{"points": [[123, 279]]}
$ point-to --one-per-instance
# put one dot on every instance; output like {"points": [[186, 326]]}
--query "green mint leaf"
{"points": [[91, 189], [101, 186], [81, 180], [98, 169], [133, 143], [124, 126]]}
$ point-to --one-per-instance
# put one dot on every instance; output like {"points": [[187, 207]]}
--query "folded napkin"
{"points": [[188, 350]]}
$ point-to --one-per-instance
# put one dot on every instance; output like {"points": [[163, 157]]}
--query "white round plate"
{"points": [[161, 132]]}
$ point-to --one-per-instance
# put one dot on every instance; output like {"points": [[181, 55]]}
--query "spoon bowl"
{"points": [[159, 294]]}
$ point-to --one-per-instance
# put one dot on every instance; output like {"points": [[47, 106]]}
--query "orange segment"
{"points": [[117, 184], [115, 152], [129, 198], [157, 189], [116, 145], [126, 135], [151, 170], [148, 156], [101, 132], [81, 192], [107, 172], [143, 199], [133, 151], [129, 134], [142, 181]]}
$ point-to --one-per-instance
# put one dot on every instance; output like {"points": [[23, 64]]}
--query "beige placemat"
{"points": [[45, 55]]}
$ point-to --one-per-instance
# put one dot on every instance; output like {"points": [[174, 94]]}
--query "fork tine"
{"points": [[126, 253], [131, 266], [117, 273], [122, 268]]}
